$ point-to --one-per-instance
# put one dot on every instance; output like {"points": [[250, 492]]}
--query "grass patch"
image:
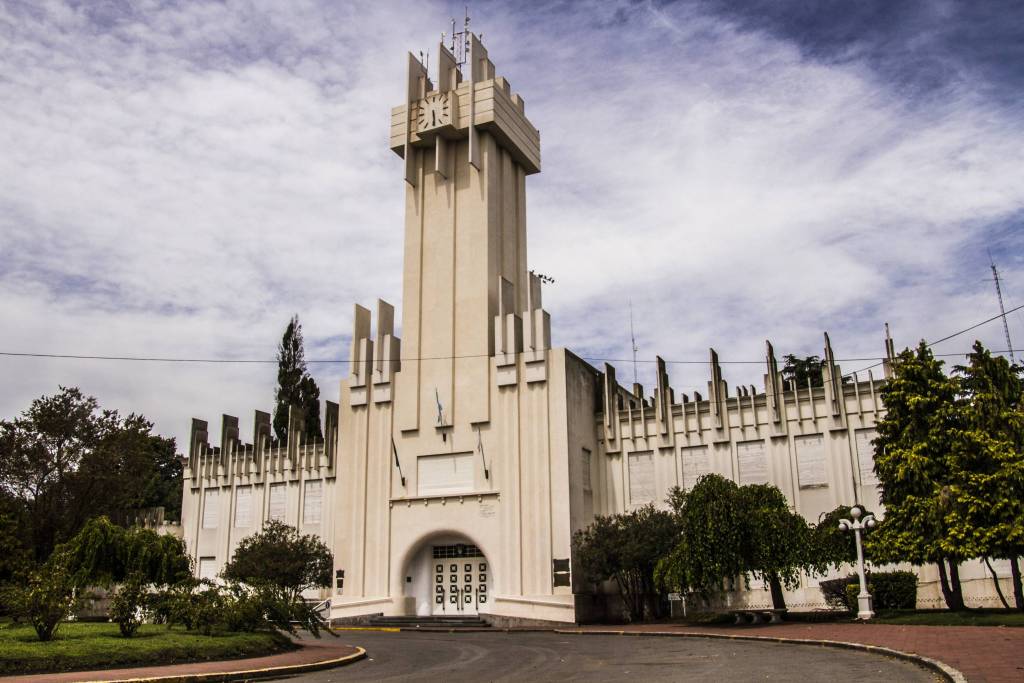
{"points": [[974, 617], [78, 646]]}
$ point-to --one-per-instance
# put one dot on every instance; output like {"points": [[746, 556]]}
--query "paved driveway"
{"points": [[500, 656]]}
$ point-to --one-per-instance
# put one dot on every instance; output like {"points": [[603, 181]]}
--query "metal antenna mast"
{"points": [[632, 340], [1002, 309]]}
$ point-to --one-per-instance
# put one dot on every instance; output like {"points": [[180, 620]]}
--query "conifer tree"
{"points": [[987, 492], [295, 387], [913, 461]]}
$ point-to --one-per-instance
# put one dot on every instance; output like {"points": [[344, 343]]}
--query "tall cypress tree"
{"points": [[295, 386], [913, 461], [987, 495]]}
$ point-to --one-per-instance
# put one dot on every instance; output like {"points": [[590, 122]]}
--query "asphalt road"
{"points": [[500, 656]]}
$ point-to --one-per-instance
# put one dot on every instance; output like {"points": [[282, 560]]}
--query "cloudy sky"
{"points": [[178, 178]]}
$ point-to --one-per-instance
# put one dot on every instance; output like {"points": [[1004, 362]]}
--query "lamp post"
{"points": [[857, 525]]}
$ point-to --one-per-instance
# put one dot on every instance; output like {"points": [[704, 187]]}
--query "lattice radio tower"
{"points": [[1002, 309]]}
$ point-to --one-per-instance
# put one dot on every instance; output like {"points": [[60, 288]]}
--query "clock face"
{"points": [[435, 111]]}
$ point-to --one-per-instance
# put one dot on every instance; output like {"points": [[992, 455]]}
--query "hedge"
{"points": [[890, 590]]}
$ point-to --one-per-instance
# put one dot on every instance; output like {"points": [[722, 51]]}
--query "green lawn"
{"points": [[977, 617], [79, 646], [974, 617]]}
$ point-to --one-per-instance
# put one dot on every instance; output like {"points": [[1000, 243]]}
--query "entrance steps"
{"points": [[437, 622]]}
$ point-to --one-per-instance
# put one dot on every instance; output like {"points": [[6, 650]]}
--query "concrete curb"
{"points": [[249, 674], [941, 668], [442, 629]]}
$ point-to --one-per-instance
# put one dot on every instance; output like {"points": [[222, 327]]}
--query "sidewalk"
{"points": [[326, 651], [984, 654]]}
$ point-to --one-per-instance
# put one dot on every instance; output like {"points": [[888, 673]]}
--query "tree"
{"points": [[15, 560], [709, 548], [46, 599], [775, 539], [828, 545], [802, 370], [64, 461], [278, 558], [103, 553], [985, 497], [295, 386], [913, 462], [626, 547], [728, 531]]}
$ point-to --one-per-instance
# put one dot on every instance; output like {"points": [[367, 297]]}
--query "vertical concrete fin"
{"points": [[830, 378], [385, 328], [716, 388], [662, 398], [228, 436], [417, 85], [477, 74], [611, 403], [533, 293], [447, 70], [331, 418], [359, 362], [772, 383], [260, 437], [296, 431], [890, 354], [197, 444]]}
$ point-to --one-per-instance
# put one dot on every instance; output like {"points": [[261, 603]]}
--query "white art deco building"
{"points": [[461, 458]]}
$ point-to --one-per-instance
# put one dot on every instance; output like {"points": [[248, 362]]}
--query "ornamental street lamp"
{"points": [[857, 525]]}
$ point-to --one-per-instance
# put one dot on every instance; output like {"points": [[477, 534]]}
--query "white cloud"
{"points": [[179, 180]]}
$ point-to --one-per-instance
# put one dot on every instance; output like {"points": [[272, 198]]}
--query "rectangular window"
{"points": [[443, 474], [312, 502], [866, 456], [694, 460], [278, 496], [208, 568], [810, 461], [641, 478], [243, 507], [587, 485], [211, 509], [753, 463]]}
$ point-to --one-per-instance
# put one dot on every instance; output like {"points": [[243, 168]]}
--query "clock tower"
{"points": [[468, 148], [456, 442]]}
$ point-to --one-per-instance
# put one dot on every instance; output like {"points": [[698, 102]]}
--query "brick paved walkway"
{"points": [[984, 654], [310, 652]]}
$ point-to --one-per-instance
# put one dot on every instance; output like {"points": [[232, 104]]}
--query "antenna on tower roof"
{"points": [[460, 40]]}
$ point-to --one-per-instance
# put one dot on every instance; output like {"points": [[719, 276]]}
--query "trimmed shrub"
{"points": [[127, 609], [894, 590], [834, 591], [47, 599], [852, 591]]}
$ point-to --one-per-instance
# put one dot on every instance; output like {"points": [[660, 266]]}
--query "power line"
{"points": [[164, 359], [1009, 350], [157, 359]]}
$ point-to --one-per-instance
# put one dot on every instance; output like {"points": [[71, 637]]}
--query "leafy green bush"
{"points": [[852, 591], [834, 591], [127, 609], [894, 590], [205, 607], [246, 609], [45, 600]]}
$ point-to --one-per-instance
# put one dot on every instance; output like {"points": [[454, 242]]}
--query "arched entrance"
{"points": [[449, 576]]}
